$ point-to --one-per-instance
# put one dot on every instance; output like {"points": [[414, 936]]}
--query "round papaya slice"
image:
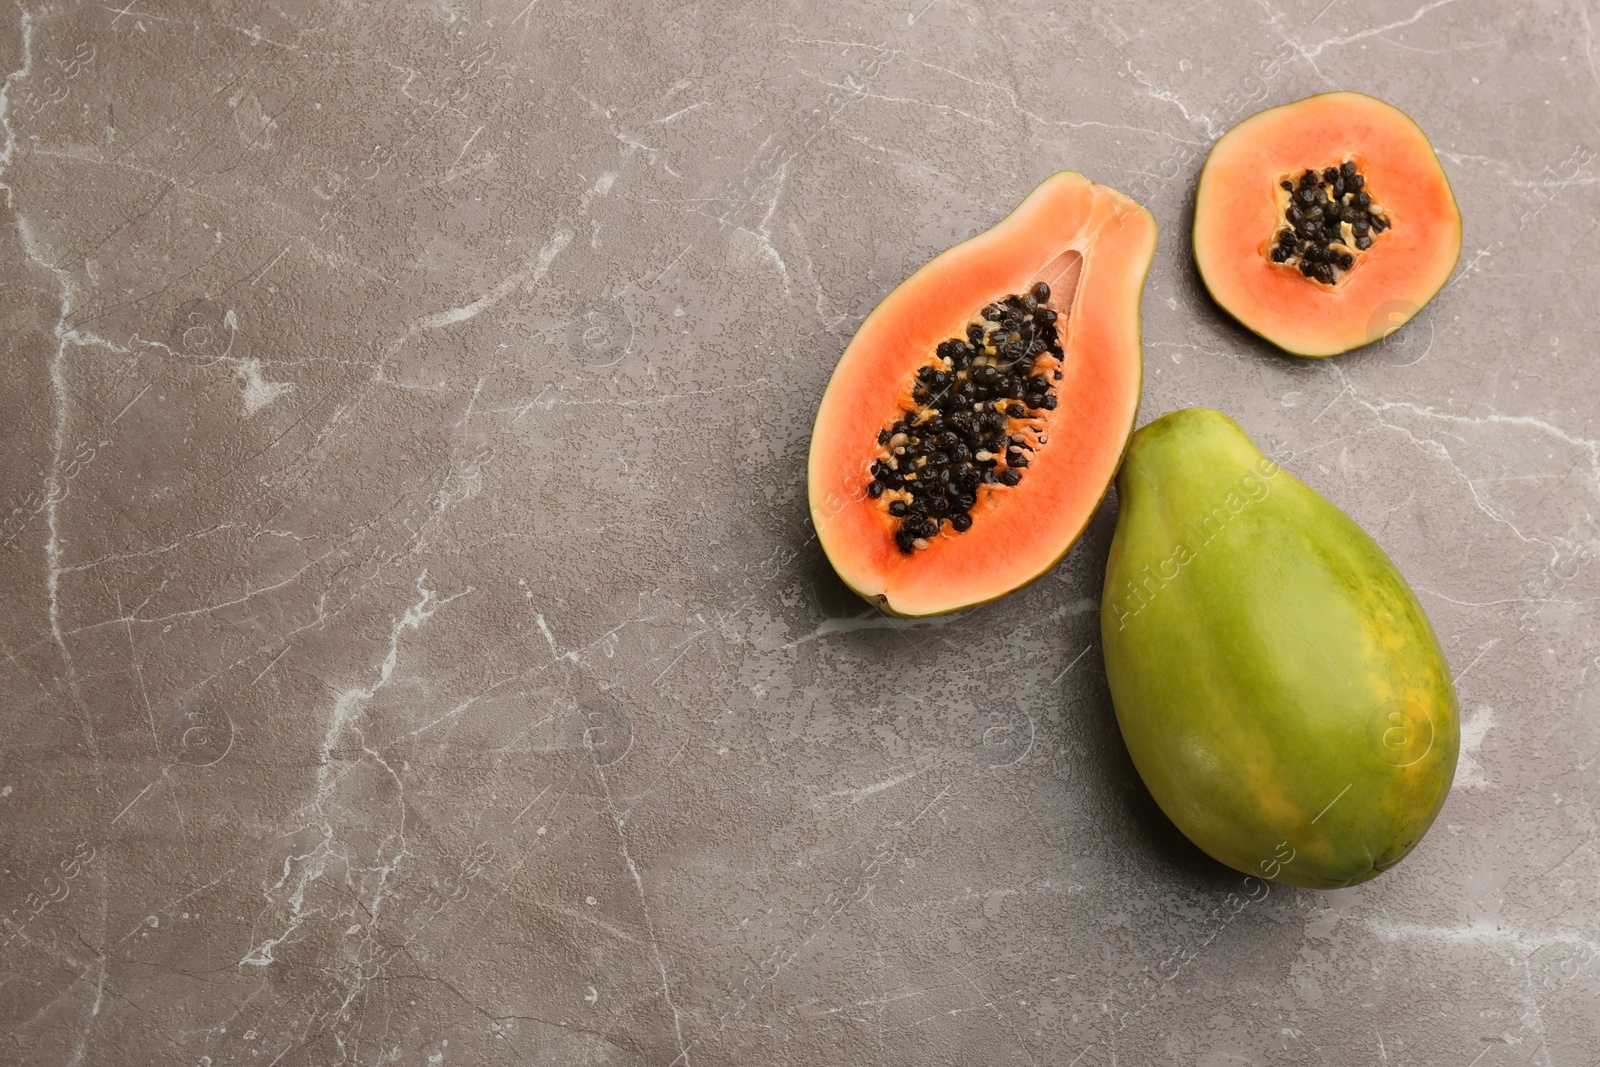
{"points": [[1325, 224], [976, 418]]}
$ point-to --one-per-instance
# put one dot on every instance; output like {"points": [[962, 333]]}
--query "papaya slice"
{"points": [[1325, 224], [975, 420]]}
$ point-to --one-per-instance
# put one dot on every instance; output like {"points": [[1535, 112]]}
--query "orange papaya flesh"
{"points": [[1325, 224], [1279, 688], [1007, 369]]}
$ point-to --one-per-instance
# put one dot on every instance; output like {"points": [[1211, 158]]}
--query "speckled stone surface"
{"points": [[414, 647]]}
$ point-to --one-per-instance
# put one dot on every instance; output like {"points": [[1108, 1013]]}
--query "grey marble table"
{"points": [[415, 648]]}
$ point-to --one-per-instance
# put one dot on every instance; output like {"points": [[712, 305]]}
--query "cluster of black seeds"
{"points": [[971, 425], [1321, 206]]}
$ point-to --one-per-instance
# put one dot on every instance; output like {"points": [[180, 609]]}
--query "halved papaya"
{"points": [[975, 420], [1325, 224]]}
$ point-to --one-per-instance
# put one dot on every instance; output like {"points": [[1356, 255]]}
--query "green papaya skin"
{"points": [[1278, 686]]}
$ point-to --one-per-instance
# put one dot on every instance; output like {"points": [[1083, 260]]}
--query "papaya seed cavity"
{"points": [[1326, 220], [977, 416]]}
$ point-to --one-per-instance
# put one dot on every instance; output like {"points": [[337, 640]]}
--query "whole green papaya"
{"points": [[1278, 685]]}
